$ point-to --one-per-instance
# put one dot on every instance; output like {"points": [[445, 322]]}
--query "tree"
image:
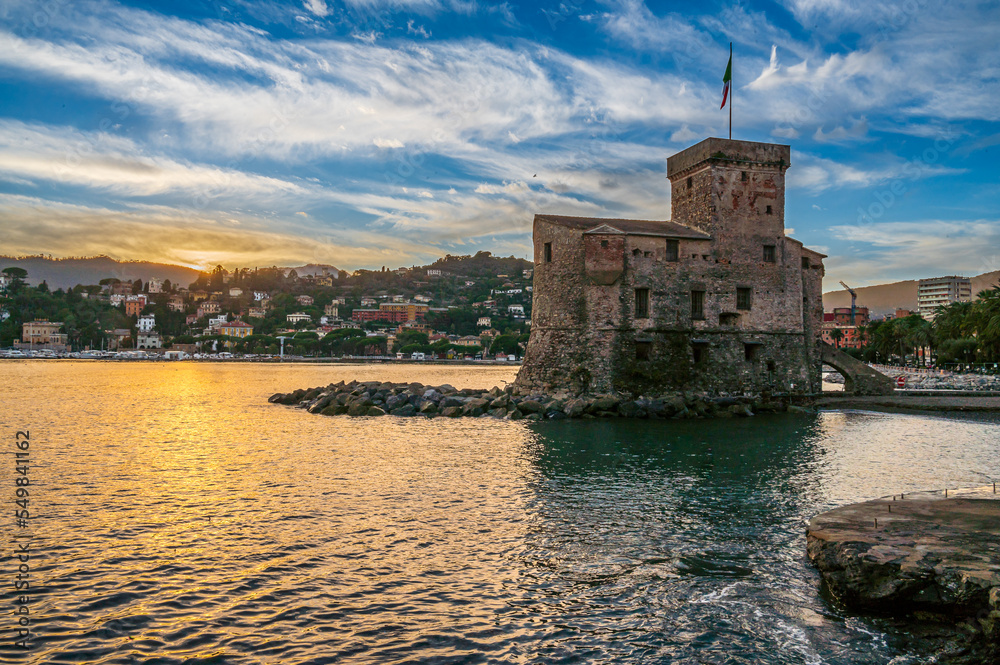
{"points": [[836, 335]]}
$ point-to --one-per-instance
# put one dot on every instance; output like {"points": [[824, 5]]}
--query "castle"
{"points": [[718, 299]]}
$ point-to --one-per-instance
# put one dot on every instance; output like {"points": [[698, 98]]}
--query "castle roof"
{"points": [[637, 227]]}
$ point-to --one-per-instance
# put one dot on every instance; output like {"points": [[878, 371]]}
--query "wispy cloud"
{"points": [[910, 250]]}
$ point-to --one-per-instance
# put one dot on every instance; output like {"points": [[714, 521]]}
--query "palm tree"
{"points": [[836, 335]]}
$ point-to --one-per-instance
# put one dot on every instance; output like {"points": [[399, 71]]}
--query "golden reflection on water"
{"points": [[182, 515]]}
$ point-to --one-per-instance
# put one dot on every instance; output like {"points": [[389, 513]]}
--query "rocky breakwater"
{"points": [[372, 398], [932, 557]]}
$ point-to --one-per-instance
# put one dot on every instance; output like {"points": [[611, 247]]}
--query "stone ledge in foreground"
{"points": [[918, 553], [374, 398]]}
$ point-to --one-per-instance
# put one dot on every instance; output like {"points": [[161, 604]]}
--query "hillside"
{"points": [[883, 299], [67, 273]]}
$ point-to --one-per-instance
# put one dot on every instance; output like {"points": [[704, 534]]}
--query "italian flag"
{"points": [[727, 80]]}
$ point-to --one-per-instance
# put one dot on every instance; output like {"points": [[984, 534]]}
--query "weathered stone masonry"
{"points": [[717, 300]]}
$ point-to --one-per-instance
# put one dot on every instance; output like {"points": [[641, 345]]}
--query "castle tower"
{"points": [[717, 299], [735, 192]]}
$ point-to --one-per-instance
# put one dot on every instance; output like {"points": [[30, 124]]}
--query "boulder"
{"points": [[451, 411], [575, 407], [531, 406], [740, 410], [603, 403], [359, 408], [276, 398], [375, 411], [405, 411], [498, 413], [428, 408], [475, 407], [450, 401]]}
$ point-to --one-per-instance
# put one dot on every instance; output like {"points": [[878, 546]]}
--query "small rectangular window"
{"points": [[673, 250], [548, 252], [642, 303], [743, 297], [698, 305], [604, 244], [769, 210], [643, 350], [805, 261], [769, 254], [749, 352], [699, 352], [743, 176], [690, 182]]}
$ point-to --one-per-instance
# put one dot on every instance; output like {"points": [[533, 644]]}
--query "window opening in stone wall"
{"points": [[698, 305], [769, 254], [642, 303], [729, 319], [690, 182], [673, 250], [805, 261], [604, 244], [643, 350], [770, 365], [547, 252], [743, 297], [750, 352], [743, 176], [636, 252], [770, 211], [699, 352]]}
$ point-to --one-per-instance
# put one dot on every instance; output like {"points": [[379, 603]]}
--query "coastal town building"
{"points": [[941, 291], [484, 322], [154, 285], [718, 299], [296, 317], [148, 340], [393, 312], [42, 334], [236, 329], [304, 300], [176, 303], [209, 307], [146, 323], [331, 310], [256, 312], [134, 304], [235, 292]]}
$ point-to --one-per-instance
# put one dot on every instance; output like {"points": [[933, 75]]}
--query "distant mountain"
{"points": [[67, 273], [885, 298]]}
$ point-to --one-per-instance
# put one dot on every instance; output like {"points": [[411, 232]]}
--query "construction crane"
{"points": [[854, 301]]}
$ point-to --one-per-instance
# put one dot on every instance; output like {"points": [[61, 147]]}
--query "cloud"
{"points": [[911, 250], [317, 7], [110, 163], [187, 237], [818, 174]]}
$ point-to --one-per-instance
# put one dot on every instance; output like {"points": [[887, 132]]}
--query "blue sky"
{"points": [[391, 132]]}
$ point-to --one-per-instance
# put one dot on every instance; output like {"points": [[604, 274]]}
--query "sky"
{"points": [[369, 133]]}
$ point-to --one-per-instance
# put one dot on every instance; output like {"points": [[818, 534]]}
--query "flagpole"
{"points": [[731, 87]]}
